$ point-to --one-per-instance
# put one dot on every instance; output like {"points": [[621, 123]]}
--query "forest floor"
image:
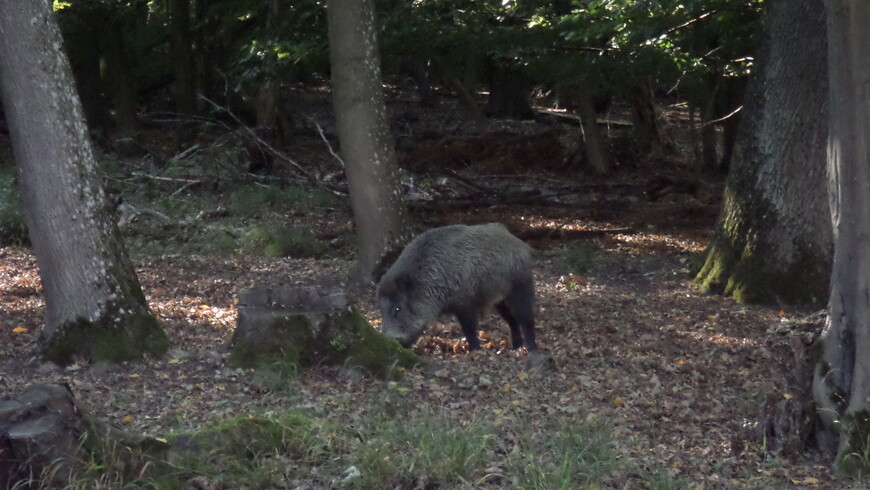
{"points": [[679, 379]]}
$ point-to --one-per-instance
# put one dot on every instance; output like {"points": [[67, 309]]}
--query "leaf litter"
{"points": [[673, 372]]}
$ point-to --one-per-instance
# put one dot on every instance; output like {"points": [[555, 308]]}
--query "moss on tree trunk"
{"points": [[737, 263], [109, 338]]}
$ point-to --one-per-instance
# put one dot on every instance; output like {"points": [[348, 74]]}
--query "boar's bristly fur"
{"points": [[460, 270]]}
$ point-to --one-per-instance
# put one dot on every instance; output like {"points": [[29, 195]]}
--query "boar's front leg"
{"points": [[516, 336], [469, 322]]}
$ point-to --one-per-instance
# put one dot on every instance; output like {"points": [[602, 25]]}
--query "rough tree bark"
{"points": [[95, 308], [773, 238], [841, 386], [363, 130]]}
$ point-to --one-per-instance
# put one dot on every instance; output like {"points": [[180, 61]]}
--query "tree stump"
{"points": [[285, 328], [45, 438]]}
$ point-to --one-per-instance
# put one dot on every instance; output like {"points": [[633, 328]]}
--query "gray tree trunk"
{"points": [[363, 130], [182, 54], [95, 308], [121, 84], [597, 157], [842, 377], [773, 239]]}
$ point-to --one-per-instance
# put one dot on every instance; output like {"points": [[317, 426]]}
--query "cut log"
{"points": [[285, 328]]}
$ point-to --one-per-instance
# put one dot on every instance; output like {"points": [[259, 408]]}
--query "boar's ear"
{"points": [[404, 283]]}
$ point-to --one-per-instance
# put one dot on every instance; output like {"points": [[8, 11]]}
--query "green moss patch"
{"points": [[344, 338], [746, 277], [107, 339]]}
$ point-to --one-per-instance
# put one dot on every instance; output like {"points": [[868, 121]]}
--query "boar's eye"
{"points": [[397, 309]]}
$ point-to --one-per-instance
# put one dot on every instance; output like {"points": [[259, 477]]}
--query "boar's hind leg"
{"points": [[518, 310], [469, 321]]}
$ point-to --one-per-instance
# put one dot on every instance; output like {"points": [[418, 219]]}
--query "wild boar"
{"points": [[461, 271]]}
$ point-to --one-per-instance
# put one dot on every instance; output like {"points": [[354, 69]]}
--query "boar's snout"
{"points": [[398, 323]]}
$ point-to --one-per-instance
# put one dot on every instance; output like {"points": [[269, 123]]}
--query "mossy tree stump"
{"points": [[46, 438], [286, 328]]}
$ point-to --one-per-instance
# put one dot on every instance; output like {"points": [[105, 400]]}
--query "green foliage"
{"points": [[269, 46], [606, 47], [277, 377], [13, 230]]}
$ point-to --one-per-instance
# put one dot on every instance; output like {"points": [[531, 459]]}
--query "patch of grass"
{"points": [[13, 230], [256, 452], [426, 451], [254, 199], [566, 455], [220, 240], [279, 376], [142, 246], [661, 480], [285, 242], [578, 257], [397, 445]]}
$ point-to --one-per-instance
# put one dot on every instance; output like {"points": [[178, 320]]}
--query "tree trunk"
{"points": [[841, 385], [121, 84], [95, 308], [709, 147], [730, 100], [83, 42], [508, 93], [363, 129], [773, 238], [182, 55], [651, 141], [596, 152]]}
